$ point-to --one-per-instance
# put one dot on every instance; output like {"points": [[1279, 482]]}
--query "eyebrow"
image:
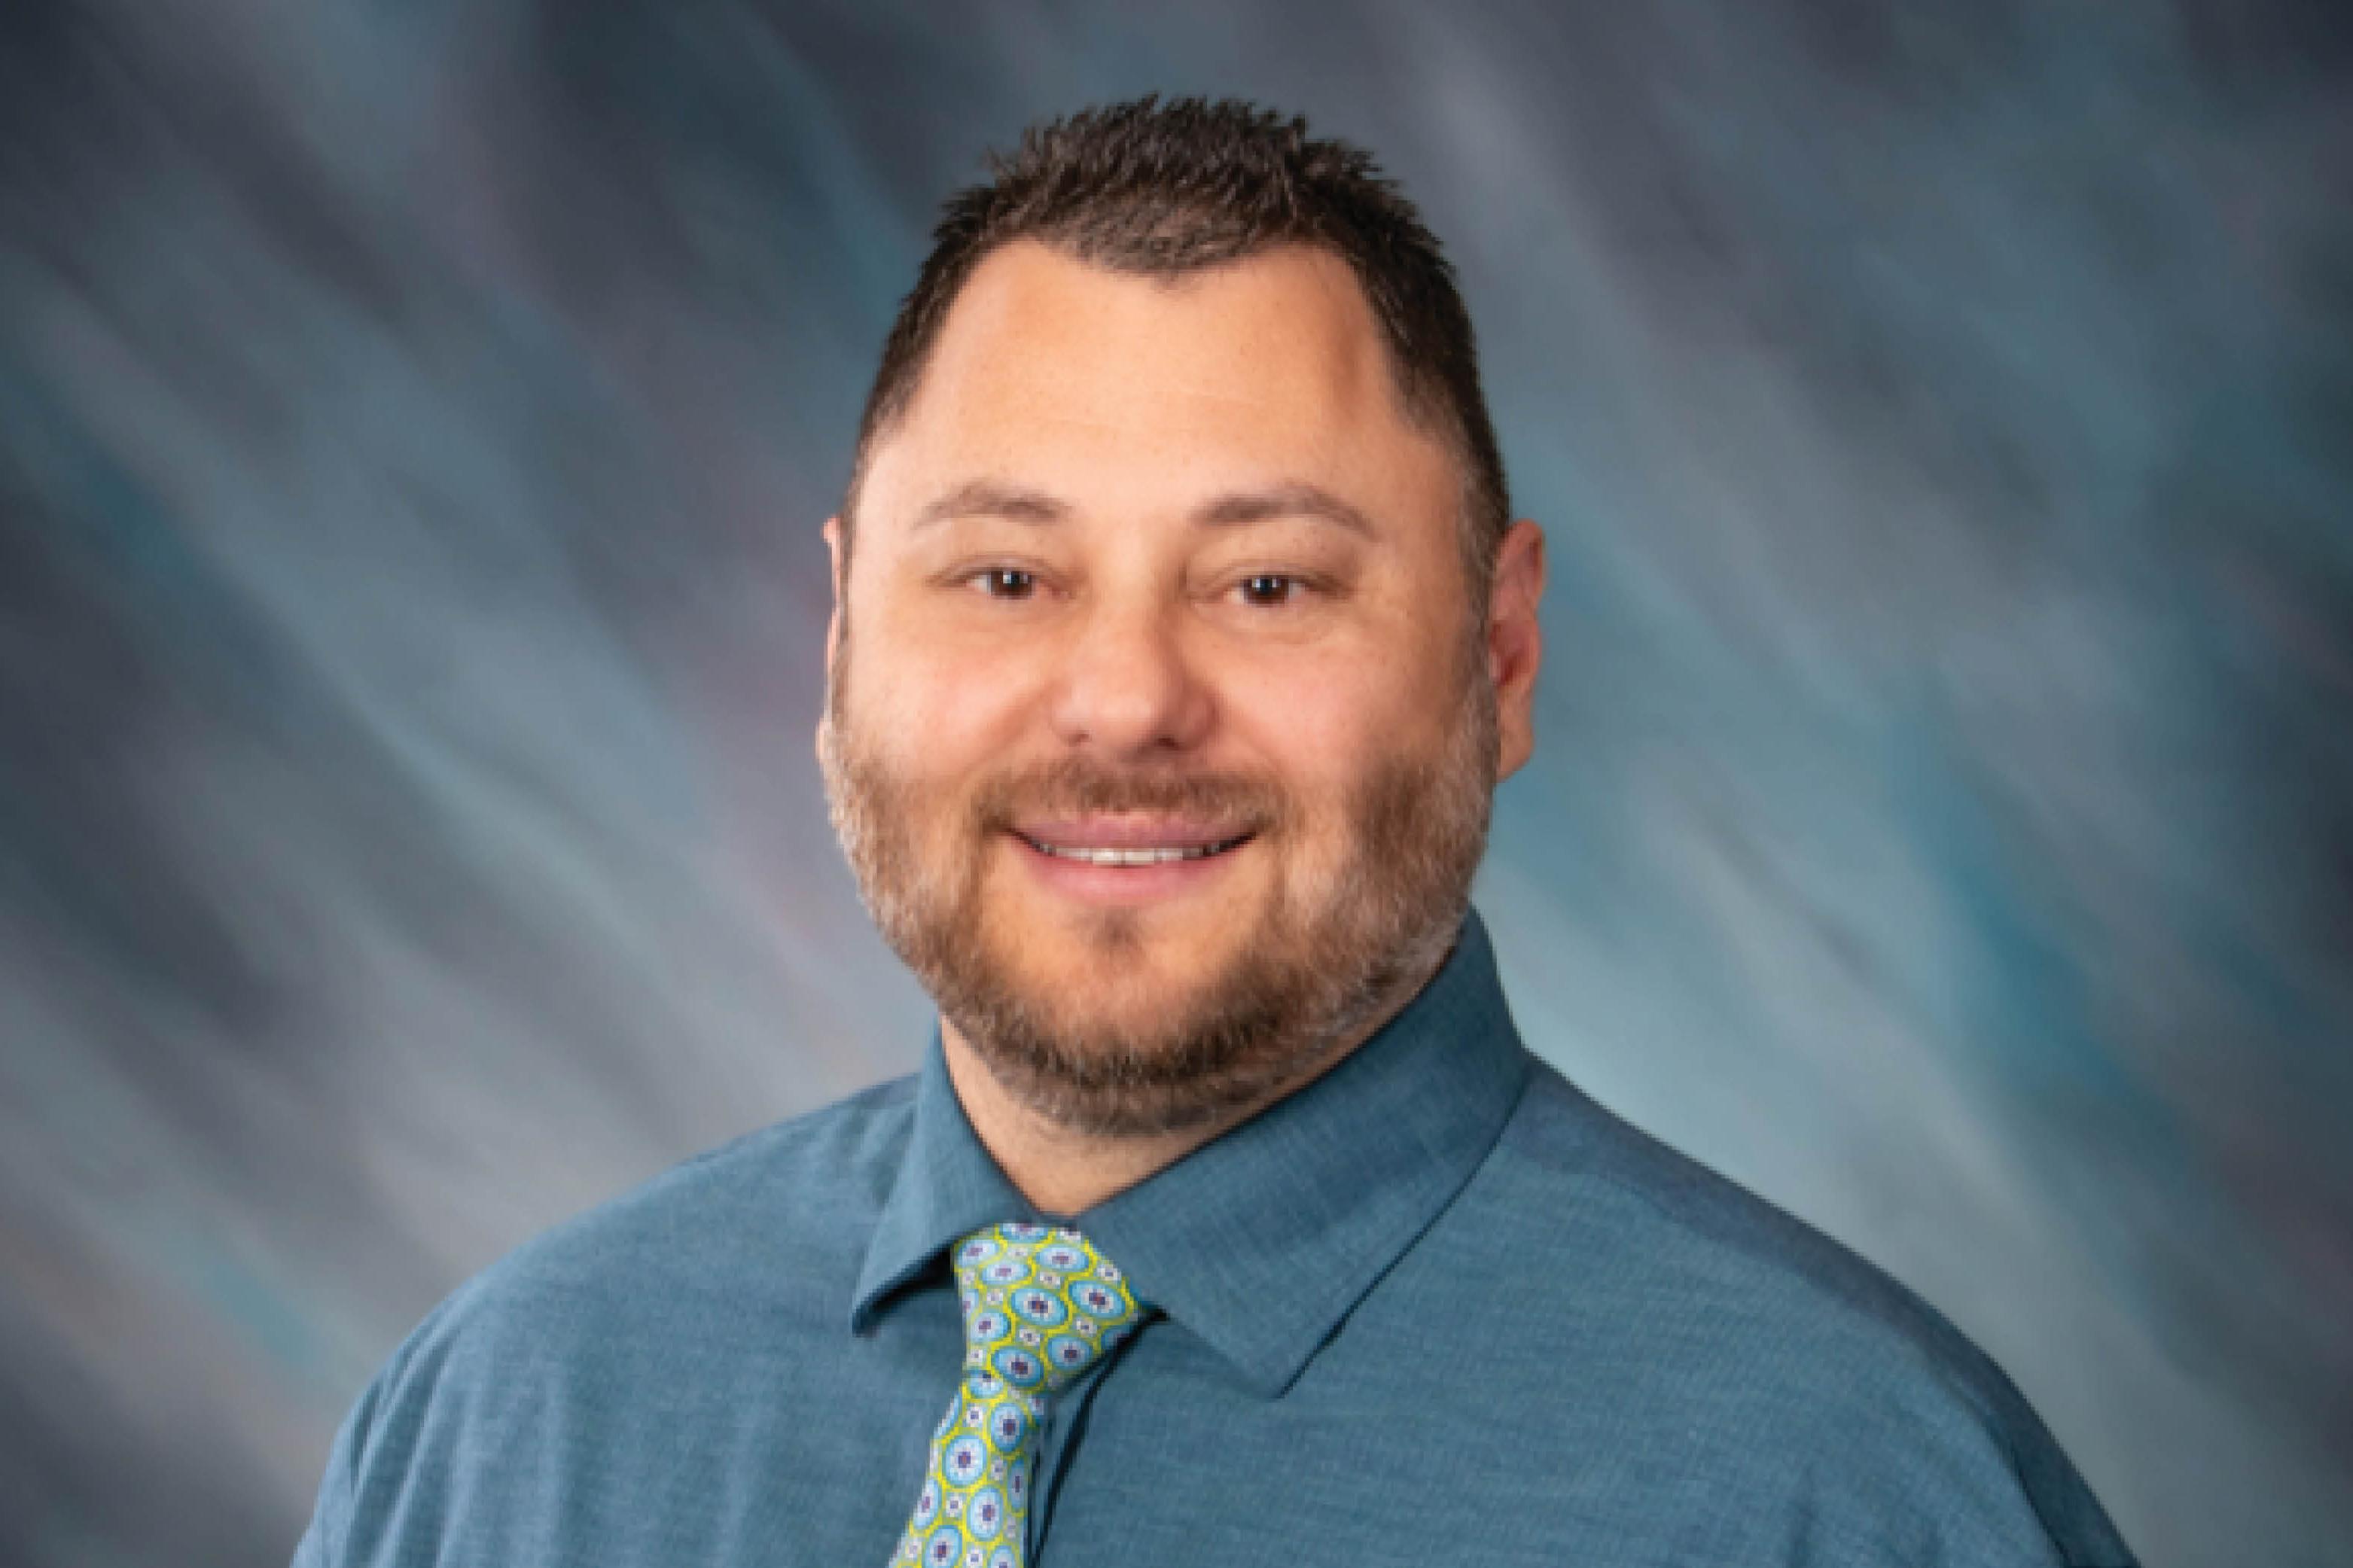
{"points": [[1019, 503]]}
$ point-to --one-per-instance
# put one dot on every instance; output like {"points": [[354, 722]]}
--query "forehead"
{"points": [[1268, 368]]}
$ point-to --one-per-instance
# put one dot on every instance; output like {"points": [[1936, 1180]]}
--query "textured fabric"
{"points": [[1040, 1305], [1436, 1307]]}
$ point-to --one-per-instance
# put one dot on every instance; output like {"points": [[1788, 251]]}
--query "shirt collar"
{"points": [[1264, 1240]]}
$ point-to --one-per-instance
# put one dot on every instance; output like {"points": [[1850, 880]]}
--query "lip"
{"points": [[1128, 887], [1128, 830]]}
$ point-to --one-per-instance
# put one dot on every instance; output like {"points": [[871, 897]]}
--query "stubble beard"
{"points": [[1334, 949]]}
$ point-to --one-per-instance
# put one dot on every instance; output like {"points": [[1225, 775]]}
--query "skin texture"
{"points": [[1078, 646]]}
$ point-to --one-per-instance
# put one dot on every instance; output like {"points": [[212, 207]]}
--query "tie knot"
{"points": [[1042, 1304]]}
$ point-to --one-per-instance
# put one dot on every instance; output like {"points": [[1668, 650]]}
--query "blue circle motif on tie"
{"points": [[944, 1546], [1003, 1558], [1007, 1425], [1069, 1352], [1019, 1367], [964, 1461], [1098, 1301], [1042, 1307], [986, 1516]]}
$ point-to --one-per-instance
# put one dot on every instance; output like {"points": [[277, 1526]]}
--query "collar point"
{"points": [[1271, 1383]]}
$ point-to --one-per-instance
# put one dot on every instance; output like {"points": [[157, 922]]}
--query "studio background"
{"points": [[416, 423]]}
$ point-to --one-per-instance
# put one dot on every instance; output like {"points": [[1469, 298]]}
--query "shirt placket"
{"points": [[1059, 1435]]}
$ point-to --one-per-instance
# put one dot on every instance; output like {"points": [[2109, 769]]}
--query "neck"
{"points": [[1065, 1171]]}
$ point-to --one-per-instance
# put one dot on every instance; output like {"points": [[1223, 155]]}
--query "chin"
{"points": [[1170, 945], [1138, 985]]}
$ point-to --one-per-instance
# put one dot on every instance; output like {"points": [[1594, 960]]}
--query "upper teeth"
{"points": [[1136, 856]]}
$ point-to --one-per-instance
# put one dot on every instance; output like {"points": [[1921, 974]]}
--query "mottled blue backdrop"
{"points": [[416, 421]]}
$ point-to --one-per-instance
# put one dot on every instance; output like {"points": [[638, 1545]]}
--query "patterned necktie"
{"points": [[1041, 1306]]}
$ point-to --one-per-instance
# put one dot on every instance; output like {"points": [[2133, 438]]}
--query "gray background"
{"points": [[415, 425]]}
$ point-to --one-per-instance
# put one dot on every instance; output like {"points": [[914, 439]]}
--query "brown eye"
{"points": [[1006, 582], [1268, 590]]}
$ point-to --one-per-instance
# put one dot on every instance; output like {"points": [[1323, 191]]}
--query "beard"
{"points": [[1335, 947]]}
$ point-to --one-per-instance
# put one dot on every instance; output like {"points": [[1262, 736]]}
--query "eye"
{"points": [[1269, 590], [1006, 581]]}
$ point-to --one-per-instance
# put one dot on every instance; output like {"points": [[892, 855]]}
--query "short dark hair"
{"points": [[1162, 190]]}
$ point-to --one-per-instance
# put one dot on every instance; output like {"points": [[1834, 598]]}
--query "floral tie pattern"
{"points": [[1041, 1306]]}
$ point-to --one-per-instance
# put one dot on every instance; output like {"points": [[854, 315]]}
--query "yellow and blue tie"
{"points": [[1041, 1306]]}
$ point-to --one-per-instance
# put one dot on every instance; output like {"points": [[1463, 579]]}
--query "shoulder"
{"points": [[1815, 1371], [648, 1298], [778, 1212], [1637, 1212]]}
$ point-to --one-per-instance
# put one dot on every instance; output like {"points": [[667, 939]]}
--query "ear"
{"points": [[833, 622], [1516, 642], [833, 576]]}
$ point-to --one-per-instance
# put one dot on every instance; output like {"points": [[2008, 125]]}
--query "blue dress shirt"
{"points": [[1436, 1307]]}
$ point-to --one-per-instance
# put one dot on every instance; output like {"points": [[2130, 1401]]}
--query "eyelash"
{"points": [[1293, 583]]}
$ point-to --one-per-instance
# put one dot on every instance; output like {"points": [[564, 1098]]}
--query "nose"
{"points": [[1127, 687]]}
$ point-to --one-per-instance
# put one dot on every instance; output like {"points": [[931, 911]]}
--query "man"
{"points": [[1180, 637]]}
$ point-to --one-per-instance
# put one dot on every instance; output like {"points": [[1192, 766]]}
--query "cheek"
{"points": [[1322, 731], [938, 719]]}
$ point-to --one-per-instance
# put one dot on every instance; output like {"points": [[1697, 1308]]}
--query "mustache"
{"points": [[1079, 786]]}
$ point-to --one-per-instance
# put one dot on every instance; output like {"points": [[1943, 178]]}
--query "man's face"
{"points": [[1158, 733]]}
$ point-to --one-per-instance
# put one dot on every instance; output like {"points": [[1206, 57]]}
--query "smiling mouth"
{"points": [[1136, 857]]}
